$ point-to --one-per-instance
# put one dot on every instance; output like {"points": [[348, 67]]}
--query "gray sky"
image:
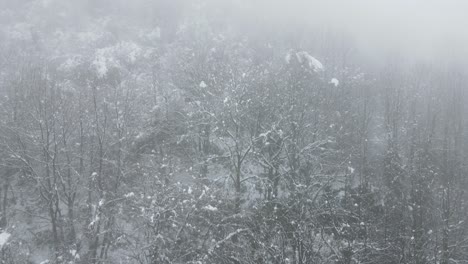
{"points": [[432, 30]]}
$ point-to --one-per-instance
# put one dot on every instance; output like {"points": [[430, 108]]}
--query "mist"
{"points": [[433, 31], [233, 132]]}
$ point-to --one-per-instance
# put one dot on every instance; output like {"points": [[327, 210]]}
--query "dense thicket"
{"points": [[181, 132]]}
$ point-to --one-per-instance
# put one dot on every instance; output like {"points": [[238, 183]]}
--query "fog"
{"points": [[429, 30], [233, 131], [416, 30]]}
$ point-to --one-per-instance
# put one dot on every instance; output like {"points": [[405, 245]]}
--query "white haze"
{"points": [[430, 30]]}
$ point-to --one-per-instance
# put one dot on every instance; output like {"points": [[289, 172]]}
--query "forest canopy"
{"points": [[231, 132]]}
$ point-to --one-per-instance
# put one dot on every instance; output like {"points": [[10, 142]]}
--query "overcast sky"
{"points": [[421, 29]]}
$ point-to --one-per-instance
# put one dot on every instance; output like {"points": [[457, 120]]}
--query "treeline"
{"points": [[187, 138]]}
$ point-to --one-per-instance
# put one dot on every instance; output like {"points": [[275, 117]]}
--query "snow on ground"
{"points": [[130, 194], [304, 56], [74, 253], [203, 84], [335, 82], [4, 238], [210, 208]]}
